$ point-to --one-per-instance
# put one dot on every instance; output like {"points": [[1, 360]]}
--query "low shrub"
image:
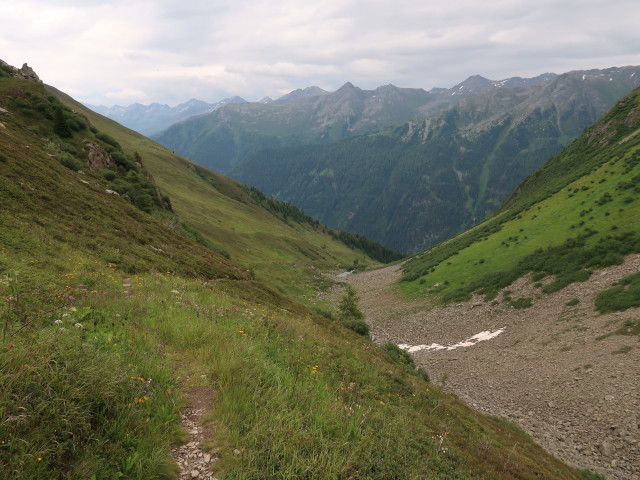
{"points": [[621, 297], [359, 326], [398, 355]]}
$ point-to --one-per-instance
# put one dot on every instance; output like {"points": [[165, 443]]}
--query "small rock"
{"points": [[605, 449], [207, 458], [236, 451], [195, 473]]}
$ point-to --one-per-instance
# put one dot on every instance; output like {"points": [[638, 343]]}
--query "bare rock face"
{"points": [[27, 72], [97, 159]]}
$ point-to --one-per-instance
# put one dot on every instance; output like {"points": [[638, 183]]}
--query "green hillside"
{"points": [[275, 240], [423, 182], [577, 213], [115, 315]]}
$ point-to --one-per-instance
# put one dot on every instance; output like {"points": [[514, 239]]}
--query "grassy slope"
{"points": [[279, 252], [566, 198], [94, 360], [44, 202]]}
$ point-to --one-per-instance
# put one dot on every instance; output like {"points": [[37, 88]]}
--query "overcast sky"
{"points": [[168, 51]]}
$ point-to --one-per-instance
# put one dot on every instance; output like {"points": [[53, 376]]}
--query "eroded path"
{"points": [[575, 394], [192, 458]]}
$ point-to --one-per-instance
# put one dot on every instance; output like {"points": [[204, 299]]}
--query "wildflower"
{"points": [[57, 322], [39, 459], [77, 325], [381, 402]]}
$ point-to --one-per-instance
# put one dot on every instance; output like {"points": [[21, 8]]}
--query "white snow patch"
{"points": [[344, 274], [480, 337]]}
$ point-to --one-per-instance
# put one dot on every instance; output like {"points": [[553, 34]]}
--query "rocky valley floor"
{"points": [[550, 371]]}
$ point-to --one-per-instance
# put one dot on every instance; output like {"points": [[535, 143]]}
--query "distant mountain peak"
{"points": [[472, 84], [312, 91], [386, 88], [347, 86]]}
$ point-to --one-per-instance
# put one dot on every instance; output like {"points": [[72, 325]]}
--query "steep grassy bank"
{"points": [[578, 212]]}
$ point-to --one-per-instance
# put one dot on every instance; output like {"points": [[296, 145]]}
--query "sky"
{"points": [[168, 51]]}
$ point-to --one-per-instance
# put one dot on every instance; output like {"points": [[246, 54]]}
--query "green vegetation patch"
{"points": [[350, 315], [81, 397], [630, 327], [624, 295]]}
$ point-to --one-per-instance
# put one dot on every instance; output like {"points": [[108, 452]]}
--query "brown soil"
{"points": [[192, 458], [577, 396]]}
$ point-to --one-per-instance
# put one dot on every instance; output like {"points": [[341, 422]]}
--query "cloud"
{"points": [[168, 50]]}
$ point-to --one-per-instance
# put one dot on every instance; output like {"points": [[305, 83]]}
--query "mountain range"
{"points": [[222, 139], [452, 154], [156, 117]]}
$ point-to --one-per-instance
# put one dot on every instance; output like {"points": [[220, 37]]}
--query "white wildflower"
{"points": [[57, 322], [77, 325]]}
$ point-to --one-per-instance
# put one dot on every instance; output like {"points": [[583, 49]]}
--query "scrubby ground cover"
{"points": [[90, 369]]}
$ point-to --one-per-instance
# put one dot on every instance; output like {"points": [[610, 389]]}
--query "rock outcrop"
{"points": [[98, 158], [27, 72]]}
